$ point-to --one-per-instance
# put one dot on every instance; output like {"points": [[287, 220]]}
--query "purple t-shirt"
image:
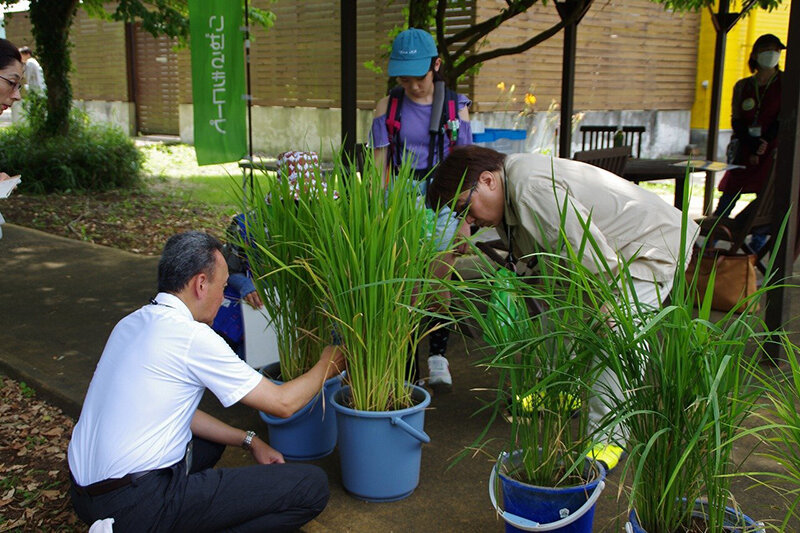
{"points": [[414, 134]]}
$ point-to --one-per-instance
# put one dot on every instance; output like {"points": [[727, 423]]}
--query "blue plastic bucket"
{"points": [[381, 451], [310, 433], [534, 508], [731, 521]]}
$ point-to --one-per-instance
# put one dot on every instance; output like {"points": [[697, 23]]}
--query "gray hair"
{"points": [[185, 255]]}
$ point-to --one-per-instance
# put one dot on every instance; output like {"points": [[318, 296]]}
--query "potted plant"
{"points": [[276, 245], [781, 429], [687, 382], [369, 262], [544, 330]]}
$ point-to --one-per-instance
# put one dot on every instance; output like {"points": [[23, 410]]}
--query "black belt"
{"points": [[107, 485]]}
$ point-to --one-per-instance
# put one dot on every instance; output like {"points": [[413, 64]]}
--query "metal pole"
{"points": [[348, 50], [248, 97], [787, 186], [721, 25], [567, 81]]}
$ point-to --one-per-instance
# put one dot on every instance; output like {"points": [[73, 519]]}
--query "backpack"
{"points": [[440, 126]]}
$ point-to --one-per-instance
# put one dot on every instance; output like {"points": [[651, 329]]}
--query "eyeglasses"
{"points": [[15, 85], [462, 210]]}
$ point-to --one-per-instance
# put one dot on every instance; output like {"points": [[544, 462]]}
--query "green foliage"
{"points": [[369, 265], [89, 157], [688, 387], [26, 390], [277, 247], [547, 360], [544, 361], [686, 380], [163, 17], [781, 429], [159, 17]]}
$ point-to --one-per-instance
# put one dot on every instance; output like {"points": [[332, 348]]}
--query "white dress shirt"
{"points": [[145, 390]]}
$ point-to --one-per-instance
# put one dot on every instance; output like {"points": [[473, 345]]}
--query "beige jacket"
{"points": [[625, 219]]}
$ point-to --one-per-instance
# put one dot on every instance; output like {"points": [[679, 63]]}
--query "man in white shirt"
{"points": [[143, 454], [34, 77], [522, 195]]}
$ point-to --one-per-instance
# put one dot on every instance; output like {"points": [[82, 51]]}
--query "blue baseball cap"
{"points": [[412, 52]]}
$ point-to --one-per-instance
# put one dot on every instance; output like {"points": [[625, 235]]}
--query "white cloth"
{"points": [[625, 218], [102, 526], [145, 390], [34, 77]]}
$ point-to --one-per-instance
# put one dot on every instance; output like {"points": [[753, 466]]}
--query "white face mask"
{"points": [[768, 59]]}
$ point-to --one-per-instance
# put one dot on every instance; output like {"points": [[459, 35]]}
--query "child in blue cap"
{"points": [[403, 127]]}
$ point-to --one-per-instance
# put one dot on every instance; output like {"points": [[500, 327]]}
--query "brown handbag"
{"points": [[735, 278]]}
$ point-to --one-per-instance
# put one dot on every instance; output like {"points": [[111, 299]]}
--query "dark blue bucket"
{"points": [[533, 508], [381, 451], [310, 433], [733, 520]]}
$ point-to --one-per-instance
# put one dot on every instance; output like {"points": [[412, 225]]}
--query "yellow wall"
{"points": [[737, 52]]}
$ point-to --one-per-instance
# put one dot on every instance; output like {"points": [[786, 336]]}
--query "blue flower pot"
{"points": [[381, 451], [534, 508], [733, 520], [310, 433]]}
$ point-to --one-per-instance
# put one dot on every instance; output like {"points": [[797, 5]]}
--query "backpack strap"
{"points": [[449, 126], [452, 124], [393, 123]]}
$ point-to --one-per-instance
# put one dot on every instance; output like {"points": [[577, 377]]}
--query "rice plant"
{"points": [[368, 266], [688, 386], [277, 246]]}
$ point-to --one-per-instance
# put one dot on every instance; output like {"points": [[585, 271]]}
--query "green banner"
{"points": [[218, 80]]}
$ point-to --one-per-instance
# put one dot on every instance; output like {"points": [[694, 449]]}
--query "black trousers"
{"points": [[252, 498]]}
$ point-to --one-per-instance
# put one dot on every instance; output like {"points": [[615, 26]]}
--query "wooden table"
{"points": [[637, 170]]}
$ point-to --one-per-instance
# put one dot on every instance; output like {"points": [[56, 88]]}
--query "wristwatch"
{"points": [[247, 443]]}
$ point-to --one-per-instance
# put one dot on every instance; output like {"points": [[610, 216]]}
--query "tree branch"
{"points": [[485, 27], [473, 60]]}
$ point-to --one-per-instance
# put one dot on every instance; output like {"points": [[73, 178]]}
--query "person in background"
{"points": [[401, 129], [34, 77], [143, 454], [755, 117], [11, 72], [522, 196]]}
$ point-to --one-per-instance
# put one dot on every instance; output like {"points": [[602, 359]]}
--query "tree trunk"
{"points": [[51, 21]]}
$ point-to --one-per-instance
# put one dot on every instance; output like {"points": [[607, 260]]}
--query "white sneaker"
{"points": [[439, 378]]}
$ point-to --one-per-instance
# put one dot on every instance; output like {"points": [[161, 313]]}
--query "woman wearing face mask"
{"points": [[10, 80], [756, 106], [401, 128]]}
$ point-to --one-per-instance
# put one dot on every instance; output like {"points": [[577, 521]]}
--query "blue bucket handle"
{"points": [[417, 434], [530, 525]]}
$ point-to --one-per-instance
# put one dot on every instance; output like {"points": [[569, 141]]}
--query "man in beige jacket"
{"points": [[523, 196]]}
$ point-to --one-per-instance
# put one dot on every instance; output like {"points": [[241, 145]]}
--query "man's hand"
{"points": [[752, 160], [253, 300], [335, 360], [264, 454], [4, 176]]}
